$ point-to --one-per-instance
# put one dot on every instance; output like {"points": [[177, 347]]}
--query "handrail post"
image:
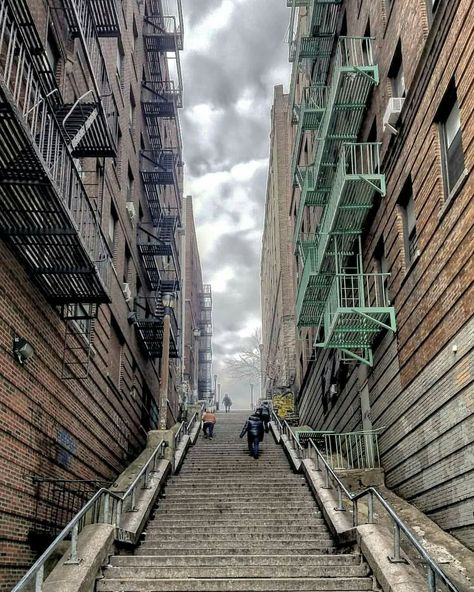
{"points": [[355, 513], [340, 505], [106, 508], [370, 508], [132, 502], [73, 558], [326, 478], [39, 579], [118, 513], [431, 579], [396, 545]]}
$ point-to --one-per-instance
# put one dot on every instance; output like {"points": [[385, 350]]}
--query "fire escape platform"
{"points": [[348, 95], [87, 130], [104, 13], [308, 117], [356, 311], [42, 222]]}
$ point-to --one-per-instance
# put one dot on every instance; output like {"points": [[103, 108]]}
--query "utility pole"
{"points": [[168, 301], [251, 396]]}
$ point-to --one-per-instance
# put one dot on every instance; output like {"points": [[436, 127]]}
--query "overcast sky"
{"points": [[235, 52]]}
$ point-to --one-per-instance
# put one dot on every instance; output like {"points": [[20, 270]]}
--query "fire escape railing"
{"points": [[149, 313], [45, 213], [348, 306], [82, 18]]}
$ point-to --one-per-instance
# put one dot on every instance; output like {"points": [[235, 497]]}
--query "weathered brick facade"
{"points": [[276, 275], [81, 429], [193, 289], [419, 390]]}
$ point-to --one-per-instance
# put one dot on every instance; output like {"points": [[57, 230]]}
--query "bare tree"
{"points": [[247, 365]]}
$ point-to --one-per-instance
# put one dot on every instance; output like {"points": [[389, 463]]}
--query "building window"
{"points": [[381, 296], [131, 112], [130, 185], [127, 266], [406, 206], [52, 52], [451, 141], [119, 64], [113, 223], [396, 75]]}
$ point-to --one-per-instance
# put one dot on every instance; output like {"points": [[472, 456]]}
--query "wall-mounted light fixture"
{"points": [[22, 350]]}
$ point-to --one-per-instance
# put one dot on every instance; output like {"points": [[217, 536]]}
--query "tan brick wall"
{"points": [[277, 291], [420, 388]]}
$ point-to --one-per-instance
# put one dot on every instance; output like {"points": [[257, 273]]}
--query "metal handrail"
{"points": [[292, 437], [180, 433], [433, 569], [98, 506], [190, 424], [276, 419]]}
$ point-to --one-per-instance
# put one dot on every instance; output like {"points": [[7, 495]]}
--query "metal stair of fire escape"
{"points": [[229, 522]]}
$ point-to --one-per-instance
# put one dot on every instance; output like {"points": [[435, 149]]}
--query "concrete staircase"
{"points": [[229, 522]]}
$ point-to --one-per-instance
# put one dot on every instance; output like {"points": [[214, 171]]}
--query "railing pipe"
{"points": [[399, 525]]}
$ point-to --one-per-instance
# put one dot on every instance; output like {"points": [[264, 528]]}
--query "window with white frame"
{"points": [[451, 142], [396, 74], [406, 206]]}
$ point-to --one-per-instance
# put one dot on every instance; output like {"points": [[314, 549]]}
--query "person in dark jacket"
{"points": [[254, 429], [264, 413]]}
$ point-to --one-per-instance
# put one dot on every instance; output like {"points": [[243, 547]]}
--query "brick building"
{"points": [[380, 112], [193, 290], [276, 273], [90, 206]]}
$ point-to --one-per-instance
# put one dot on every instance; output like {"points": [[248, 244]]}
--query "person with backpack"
{"points": [[227, 402], [264, 413], [254, 429]]}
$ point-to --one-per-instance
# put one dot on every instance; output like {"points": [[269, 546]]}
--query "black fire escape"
{"points": [[46, 216], [205, 344], [160, 173]]}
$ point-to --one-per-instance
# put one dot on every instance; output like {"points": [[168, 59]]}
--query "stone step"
{"points": [[226, 506], [228, 572], [244, 489], [232, 550], [235, 585], [267, 539], [295, 493], [327, 560], [310, 538], [245, 522], [236, 531], [286, 477]]}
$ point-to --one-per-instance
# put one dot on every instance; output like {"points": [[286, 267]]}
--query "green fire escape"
{"points": [[348, 306]]}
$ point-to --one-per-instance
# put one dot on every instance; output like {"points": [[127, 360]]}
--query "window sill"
{"points": [[454, 193]]}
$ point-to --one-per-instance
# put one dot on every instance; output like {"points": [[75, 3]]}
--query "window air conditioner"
{"points": [[126, 291], [130, 207], [392, 113]]}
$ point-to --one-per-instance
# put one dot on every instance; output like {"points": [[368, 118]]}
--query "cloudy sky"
{"points": [[235, 53]]}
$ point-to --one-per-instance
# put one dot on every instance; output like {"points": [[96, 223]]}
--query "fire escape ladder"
{"points": [[89, 21], [348, 306], [79, 321]]}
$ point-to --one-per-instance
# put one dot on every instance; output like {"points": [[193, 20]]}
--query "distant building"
{"points": [[276, 274], [90, 206], [193, 327], [380, 107]]}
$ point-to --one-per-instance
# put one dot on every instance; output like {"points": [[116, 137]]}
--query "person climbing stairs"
{"points": [[229, 523]]}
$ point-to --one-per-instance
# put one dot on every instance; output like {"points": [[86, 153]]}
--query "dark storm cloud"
{"points": [[230, 138], [241, 252]]}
